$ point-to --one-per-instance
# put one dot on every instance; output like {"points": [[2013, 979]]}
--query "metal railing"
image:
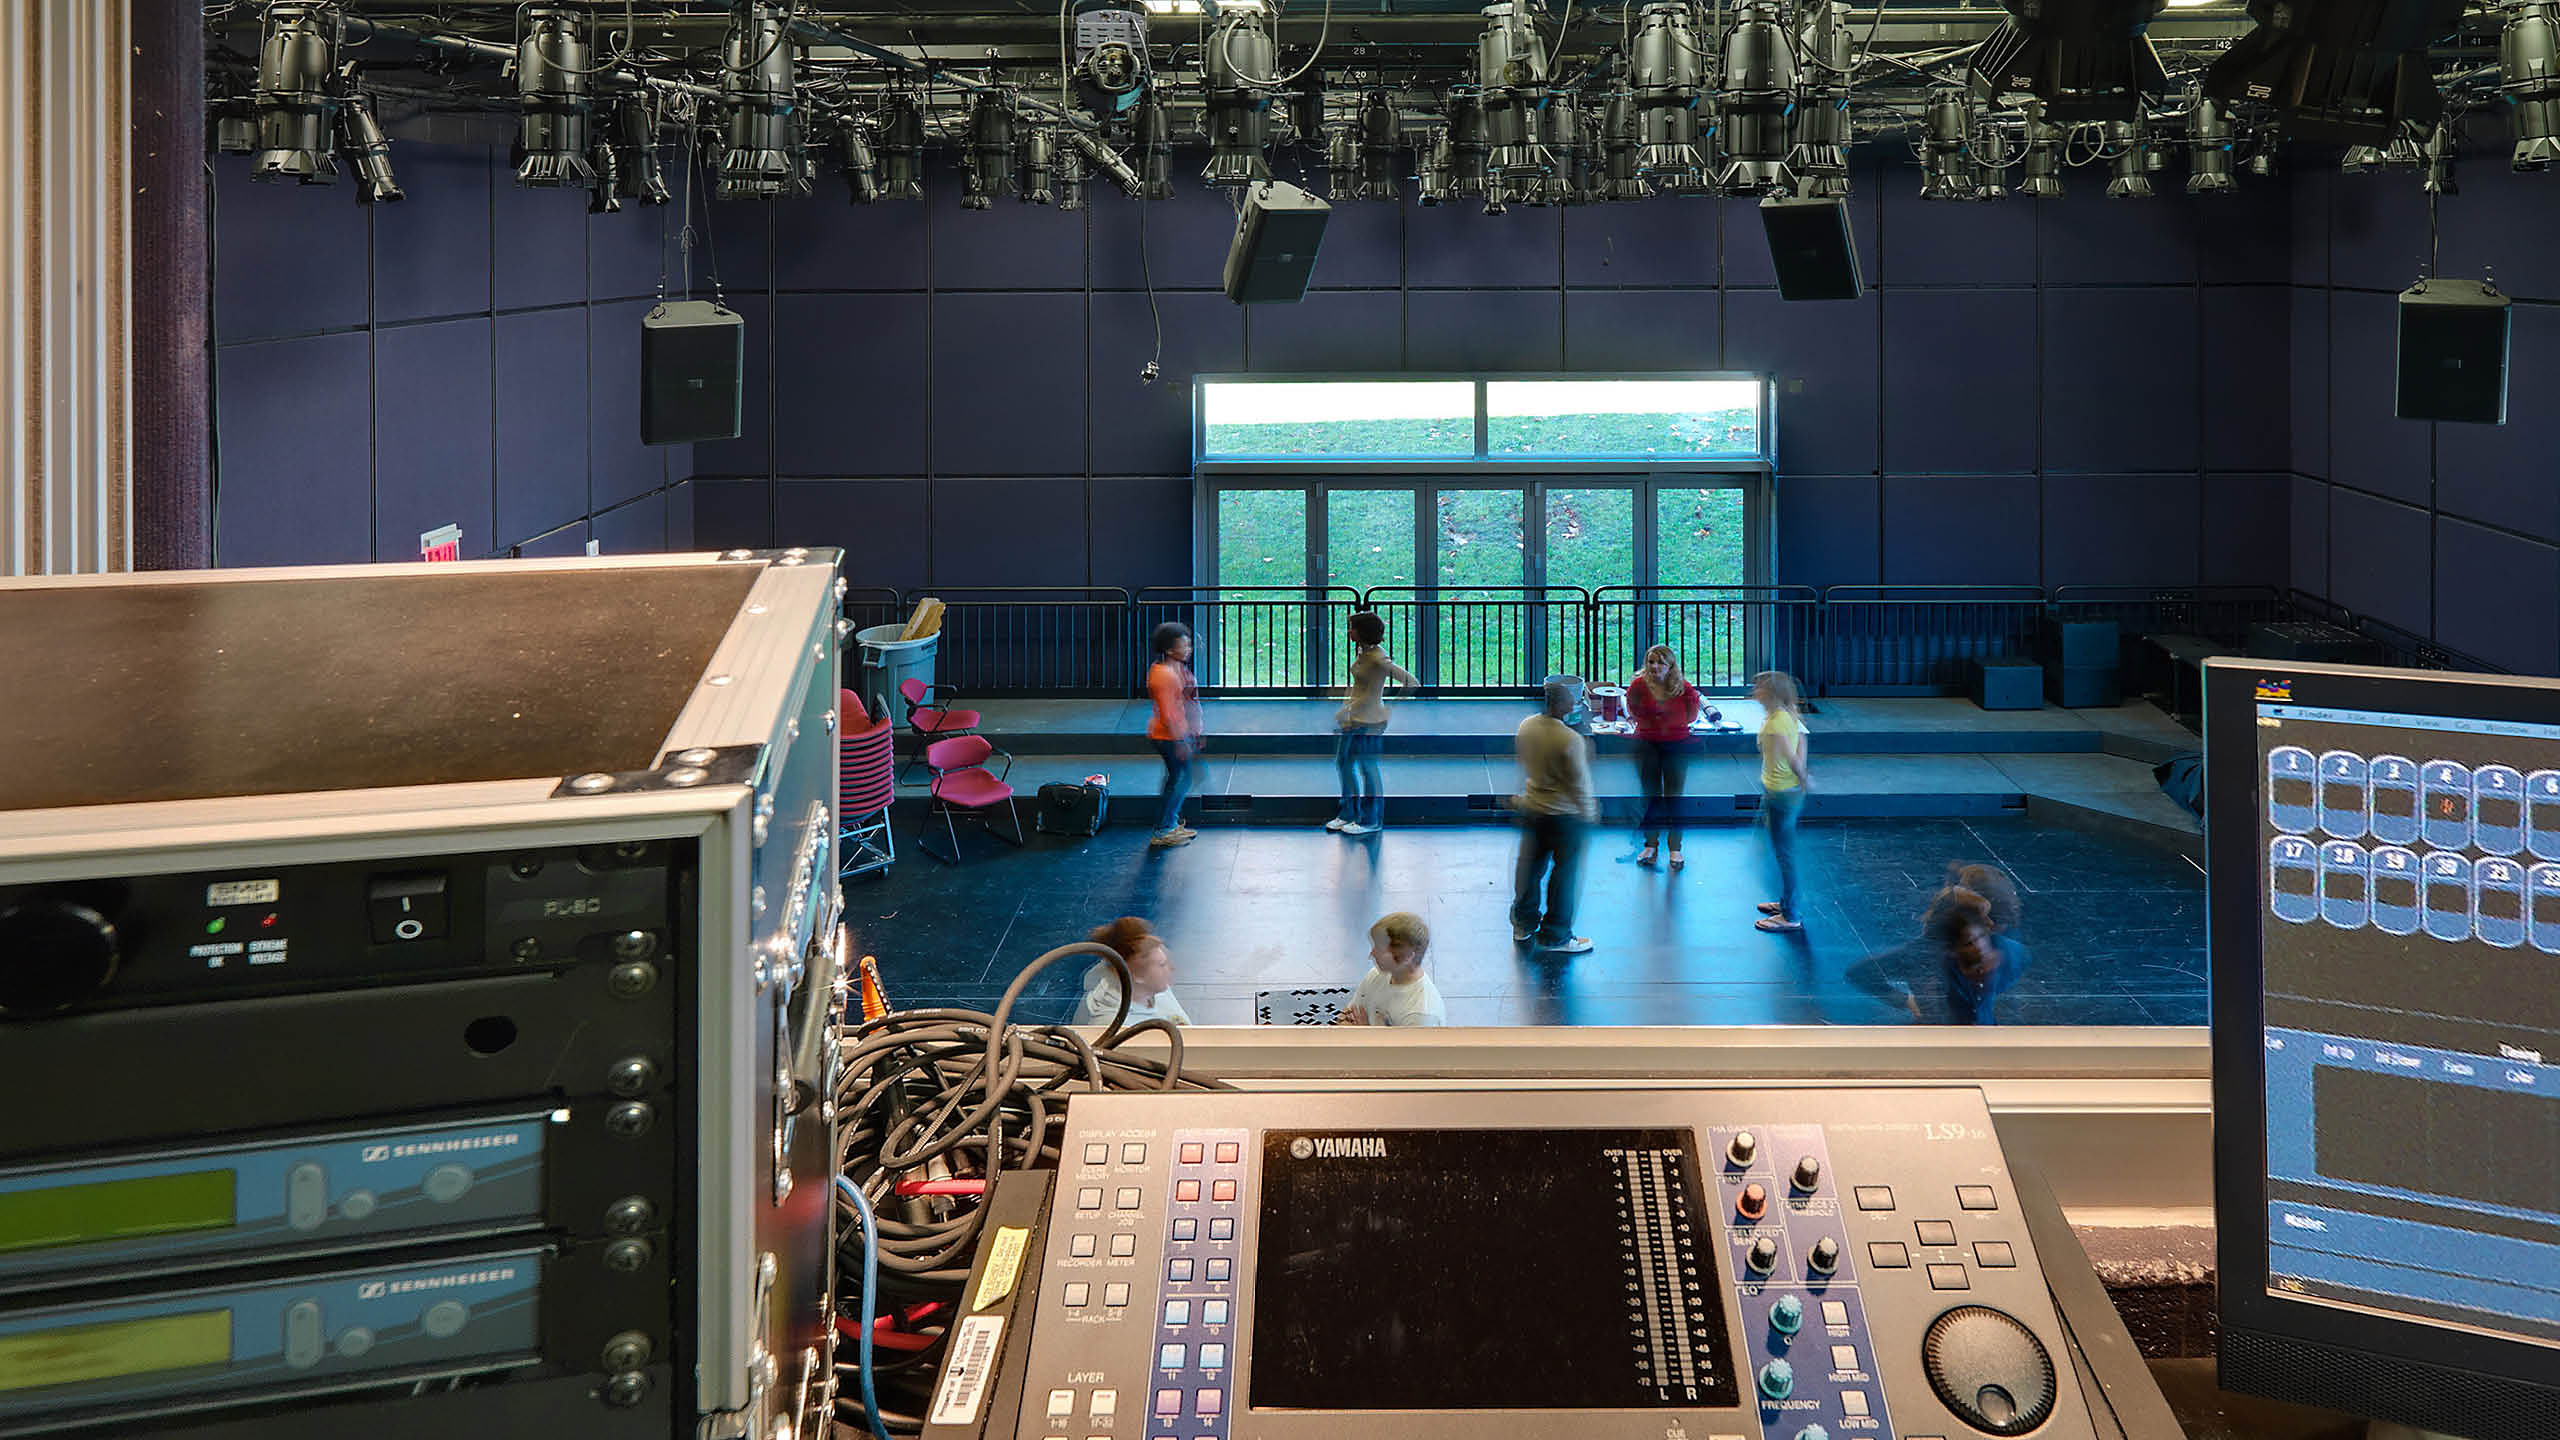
{"points": [[1503, 640]]}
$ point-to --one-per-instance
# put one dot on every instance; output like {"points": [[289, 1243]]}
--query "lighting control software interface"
{"points": [[2412, 999]]}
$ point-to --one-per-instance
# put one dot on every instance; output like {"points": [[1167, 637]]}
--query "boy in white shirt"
{"points": [[1395, 991], [1151, 994]]}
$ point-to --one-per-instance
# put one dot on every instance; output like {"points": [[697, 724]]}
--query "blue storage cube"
{"points": [[2005, 684]]}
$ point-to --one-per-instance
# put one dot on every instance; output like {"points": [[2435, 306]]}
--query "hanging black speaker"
{"points": [[1811, 249], [1274, 250], [2453, 352], [692, 364]]}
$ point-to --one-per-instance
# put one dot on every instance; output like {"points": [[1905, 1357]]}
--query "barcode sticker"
{"points": [[973, 1364]]}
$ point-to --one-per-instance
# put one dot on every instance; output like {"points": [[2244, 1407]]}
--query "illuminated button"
{"points": [[1213, 1312], [1936, 1232], [1062, 1403], [1744, 1148], [1191, 1152], [1977, 1197], [1994, 1255], [1753, 1202], [445, 1319], [1787, 1315], [1223, 1228], [306, 1197], [1875, 1197], [1106, 1404], [1763, 1255], [302, 1339], [1213, 1357], [1835, 1312], [1177, 1270], [445, 1184], [1169, 1357], [1116, 1293], [1186, 1191], [1129, 1198], [1209, 1402], [1229, 1152], [1948, 1277], [1089, 1198], [1853, 1402], [1844, 1357], [1222, 1189], [1825, 1257], [1079, 1295], [1124, 1245], [1221, 1268], [1133, 1153], [1080, 1246], [1177, 1312], [354, 1342], [358, 1204], [1808, 1173], [1186, 1229], [1168, 1402], [1098, 1153], [1777, 1379], [1888, 1255], [1813, 1432]]}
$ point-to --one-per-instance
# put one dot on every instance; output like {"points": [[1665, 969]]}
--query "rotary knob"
{"points": [[1989, 1369], [1753, 1202], [1777, 1379], [1763, 1255], [1826, 1255], [1787, 1315], [52, 955], [1808, 1173], [1743, 1148]]}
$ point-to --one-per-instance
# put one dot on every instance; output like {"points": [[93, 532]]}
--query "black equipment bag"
{"points": [[1071, 809]]}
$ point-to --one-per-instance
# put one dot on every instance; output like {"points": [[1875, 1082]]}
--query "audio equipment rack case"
{"points": [[417, 994]]}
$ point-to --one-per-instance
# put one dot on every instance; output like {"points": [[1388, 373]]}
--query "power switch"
{"points": [[406, 908]]}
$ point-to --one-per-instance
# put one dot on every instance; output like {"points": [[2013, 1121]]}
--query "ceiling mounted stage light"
{"points": [[1101, 159], [902, 149], [1070, 178], [2209, 149], [1039, 167], [1110, 56], [1820, 158], [2085, 59], [2439, 161], [1511, 65], [2529, 81], [758, 72], [1561, 128], [1663, 69], [1468, 152], [367, 149], [989, 158], [294, 101], [861, 166], [2348, 71], [235, 125], [1381, 141], [1155, 150], [1342, 160], [1438, 181], [633, 123], [2042, 158], [1237, 70], [1620, 169], [552, 65], [1753, 135], [1946, 173], [2130, 161], [1988, 151]]}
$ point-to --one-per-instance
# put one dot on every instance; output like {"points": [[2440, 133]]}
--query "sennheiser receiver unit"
{"points": [[417, 995], [1718, 1264]]}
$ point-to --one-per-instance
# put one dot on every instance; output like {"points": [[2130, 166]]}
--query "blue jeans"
{"points": [[1783, 808], [1550, 846], [1177, 783], [1364, 785], [1665, 770]]}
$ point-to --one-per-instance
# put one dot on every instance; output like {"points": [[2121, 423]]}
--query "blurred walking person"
{"points": [[1556, 808], [1784, 779], [1360, 729], [1174, 727]]}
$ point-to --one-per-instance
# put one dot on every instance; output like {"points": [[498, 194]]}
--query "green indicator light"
{"points": [[214, 925]]}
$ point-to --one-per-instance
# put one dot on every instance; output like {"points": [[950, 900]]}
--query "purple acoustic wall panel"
{"points": [[541, 422], [1823, 358], [752, 452], [637, 527], [434, 464], [568, 540], [629, 255], [621, 467], [1934, 242], [1960, 530], [1141, 530], [1363, 245], [849, 384], [2248, 530], [2084, 238], [1329, 330], [2370, 447], [1145, 429], [2501, 225], [1827, 529], [2377, 231], [2379, 559], [1642, 329], [2119, 379], [729, 514], [1459, 330], [881, 525], [2498, 597], [822, 241], [297, 452], [2307, 378], [2121, 529], [1009, 247], [1959, 380], [1660, 243], [2309, 519], [2247, 402], [2245, 236], [1186, 239], [288, 260], [1008, 384], [2504, 475], [1009, 532], [1458, 247], [2308, 187], [538, 241], [431, 251]]}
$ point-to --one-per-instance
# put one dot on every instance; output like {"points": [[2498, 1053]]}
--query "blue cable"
{"points": [[870, 1297]]}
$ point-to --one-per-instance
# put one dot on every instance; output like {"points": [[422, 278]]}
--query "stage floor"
{"points": [[2116, 926]]}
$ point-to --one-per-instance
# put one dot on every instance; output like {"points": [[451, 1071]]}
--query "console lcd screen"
{"points": [[1486, 1270]]}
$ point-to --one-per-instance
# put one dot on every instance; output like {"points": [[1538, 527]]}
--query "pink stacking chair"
{"points": [[964, 786], [866, 783]]}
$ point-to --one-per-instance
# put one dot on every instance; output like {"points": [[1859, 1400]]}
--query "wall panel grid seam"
{"points": [[65, 243]]}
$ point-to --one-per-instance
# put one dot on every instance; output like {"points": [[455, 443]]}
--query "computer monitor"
{"points": [[2385, 922]]}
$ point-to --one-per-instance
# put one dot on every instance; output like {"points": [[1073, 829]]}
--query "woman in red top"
{"points": [[1664, 704]]}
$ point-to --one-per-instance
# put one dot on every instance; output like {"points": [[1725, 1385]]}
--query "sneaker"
{"points": [[1578, 945], [1523, 934], [1163, 839], [1771, 907], [1357, 829], [1645, 856], [1337, 823], [1777, 924]]}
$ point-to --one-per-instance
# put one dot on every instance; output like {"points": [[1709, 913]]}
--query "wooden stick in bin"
{"points": [[926, 621]]}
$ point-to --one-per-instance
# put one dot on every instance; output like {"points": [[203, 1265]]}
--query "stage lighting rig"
{"points": [[2042, 159], [1663, 70], [1468, 151], [2257, 148], [1987, 150], [2085, 59], [989, 157], [367, 149], [1237, 70], [1380, 143], [2209, 149], [1947, 174], [2529, 81], [1155, 150], [1511, 65], [1101, 159], [2129, 161], [1070, 178], [633, 123], [2346, 71], [1039, 167], [1621, 146], [1437, 182], [235, 125], [1820, 158], [1561, 128], [2439, 160], [1342, 160], [1753, 137], [757, 75], [902, 149], [295, 101], [1110, 57], [552, 66], [861, 166]]}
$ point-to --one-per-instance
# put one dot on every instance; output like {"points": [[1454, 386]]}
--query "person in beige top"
{"points": [[1556, 809], [1360, 728]]}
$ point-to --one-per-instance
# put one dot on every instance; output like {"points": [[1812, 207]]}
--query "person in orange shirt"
{"points": [[1174, 727]]}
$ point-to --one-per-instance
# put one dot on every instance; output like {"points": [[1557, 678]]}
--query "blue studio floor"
{"points": [[2116, 928]]}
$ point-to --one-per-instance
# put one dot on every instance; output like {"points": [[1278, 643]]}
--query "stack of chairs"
{"points": [[865, 784]]}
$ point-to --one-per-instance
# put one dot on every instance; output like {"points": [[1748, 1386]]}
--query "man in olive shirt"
{"points": [[1556, 810]]}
